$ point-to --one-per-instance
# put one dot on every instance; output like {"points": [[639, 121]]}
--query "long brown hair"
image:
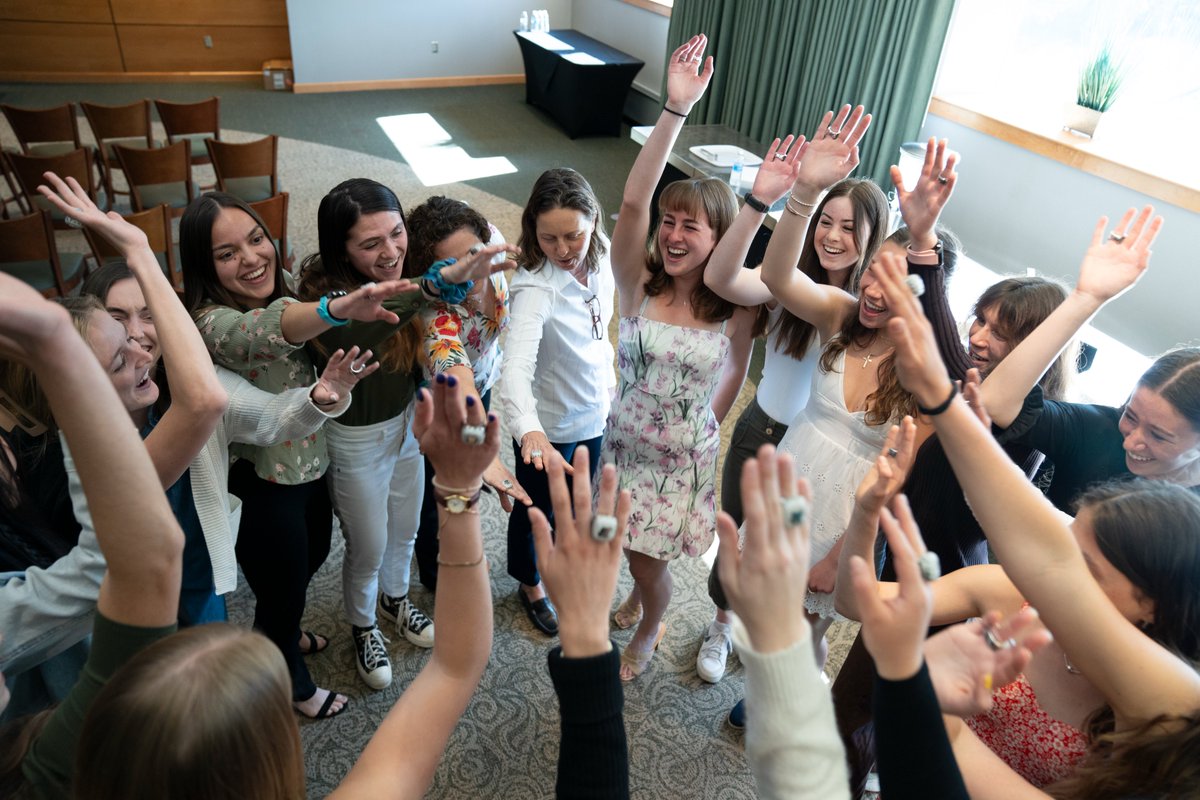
{"points": [[203, 713], [560, 188], [1176, 376], [870, 229], [696, 197], [1021, 303], [330, 269]]}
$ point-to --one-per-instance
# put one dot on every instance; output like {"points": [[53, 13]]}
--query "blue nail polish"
{"points": [[470, 401], [451, 380], [441, 377], [420, 396], [491, 417]]}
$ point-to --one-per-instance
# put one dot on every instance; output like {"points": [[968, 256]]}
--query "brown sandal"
{"points": [[638, 660]]}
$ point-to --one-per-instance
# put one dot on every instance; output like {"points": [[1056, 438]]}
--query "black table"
{"points": [[584, 98]]}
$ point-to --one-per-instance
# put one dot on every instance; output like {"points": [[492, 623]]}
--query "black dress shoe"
{"points": [[541, 613]]}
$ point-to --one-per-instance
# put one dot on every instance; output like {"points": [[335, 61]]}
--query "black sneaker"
{"points": [[411, 622], [737, 715], [371, 657]]}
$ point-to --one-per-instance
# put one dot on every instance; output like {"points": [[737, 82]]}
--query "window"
{"points": [[657, 6]]}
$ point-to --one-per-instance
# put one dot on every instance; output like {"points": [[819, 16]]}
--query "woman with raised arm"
{"points": [[848, 228], [251, 324], [682, 357], [558, 363], [1107, 606], [376, 474], [139, 595], [1155, 435]]}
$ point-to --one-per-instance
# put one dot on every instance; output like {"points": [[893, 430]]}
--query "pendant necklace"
{"points": [[1071, 668]]}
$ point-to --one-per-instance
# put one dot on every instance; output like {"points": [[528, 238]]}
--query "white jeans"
{"points": [[376, 478]]}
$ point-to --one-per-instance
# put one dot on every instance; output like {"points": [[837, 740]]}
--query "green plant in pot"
{"points": [[1099, 83]]}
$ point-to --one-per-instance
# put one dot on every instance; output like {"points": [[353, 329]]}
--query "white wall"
{"points": [[1014, 209], [636, 31], [372, 40]]}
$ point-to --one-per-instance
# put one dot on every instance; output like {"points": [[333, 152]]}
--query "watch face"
{"points": [[456, 504]]}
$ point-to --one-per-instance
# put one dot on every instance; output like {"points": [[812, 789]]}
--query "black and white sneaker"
{"points": [[371, 657], [411, 622]]}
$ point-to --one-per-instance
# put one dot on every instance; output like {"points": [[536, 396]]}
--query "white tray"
{"points": [[724, 155]]}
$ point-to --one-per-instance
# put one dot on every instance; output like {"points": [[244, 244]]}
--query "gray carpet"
{"points": [[506, 744]]}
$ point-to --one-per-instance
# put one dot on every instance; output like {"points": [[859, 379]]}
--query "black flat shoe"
{"points": [[541, 613]]}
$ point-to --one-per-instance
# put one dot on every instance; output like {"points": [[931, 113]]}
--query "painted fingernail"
{"points": [[441, 378], [491, 417], [451, 380], [470, 401], [420, 397]]}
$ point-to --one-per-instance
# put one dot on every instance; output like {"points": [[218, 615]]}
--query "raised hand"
{"points": [[1114, 263], [918, 361], [779, 169], [922, 205], [365, 304], [438, 425], [894, 629], [965, 669], [832, 152], [687, 79], [580, 572], [341, 374], [766, 580], [72, 200], [890, 470], [479, 264]]}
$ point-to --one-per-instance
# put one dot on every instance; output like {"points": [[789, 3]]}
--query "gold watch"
{"points": [[457, 503]]}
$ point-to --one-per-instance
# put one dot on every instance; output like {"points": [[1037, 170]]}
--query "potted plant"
{"points": [[1099, 83]]}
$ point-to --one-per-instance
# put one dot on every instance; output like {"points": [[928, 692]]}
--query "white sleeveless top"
{"points": [[784, 388]]}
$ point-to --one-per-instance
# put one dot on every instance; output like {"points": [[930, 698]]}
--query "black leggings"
{"points": [[282, 541]]}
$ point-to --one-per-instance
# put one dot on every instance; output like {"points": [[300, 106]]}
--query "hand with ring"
{"points": [[778, 171], [437, 425], [894, 629], [686, 85], [766, 580], [537, 450], [506, 485], [579, 568], [922, 205], [341, 374], [1115, 262], [889, 471], [830, 158]]}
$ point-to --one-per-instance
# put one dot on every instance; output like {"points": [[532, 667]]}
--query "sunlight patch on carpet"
{"points": [[433, 156]]}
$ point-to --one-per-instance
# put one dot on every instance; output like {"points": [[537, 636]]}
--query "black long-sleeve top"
{"points": [[593, 756]]}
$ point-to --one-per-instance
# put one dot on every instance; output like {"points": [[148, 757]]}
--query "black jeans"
{"points": [[522, 558], [754, 428], [426, 547], [282, 541]]}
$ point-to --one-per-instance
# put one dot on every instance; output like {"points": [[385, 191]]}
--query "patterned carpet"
{"points": [[506, 745]]}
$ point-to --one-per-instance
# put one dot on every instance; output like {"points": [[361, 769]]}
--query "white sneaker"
{"points": [[371, 657], [714, 652], [411, 622]]}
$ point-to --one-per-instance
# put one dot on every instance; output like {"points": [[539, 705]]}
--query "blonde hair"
{"points": [[204, 713]]}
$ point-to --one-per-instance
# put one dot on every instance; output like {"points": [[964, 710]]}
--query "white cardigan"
{"points": [[51, 609]]}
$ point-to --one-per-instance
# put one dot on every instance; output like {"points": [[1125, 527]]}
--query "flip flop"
{"points": [[313, 643]]}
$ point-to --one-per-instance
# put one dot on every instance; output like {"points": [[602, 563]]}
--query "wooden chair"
{"points": [[44, 131], [112, 125], [28, 252], [76, 164], [193, 123], [156, 223], [273, 212], [159, 176], [11, 190], [249, 170]]}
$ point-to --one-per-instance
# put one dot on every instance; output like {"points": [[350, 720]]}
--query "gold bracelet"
{"points": [[801, 202], [474, 563], [455, 490], [788, 207]]}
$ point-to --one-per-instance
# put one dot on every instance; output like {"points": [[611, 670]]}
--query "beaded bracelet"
{"points": [[452, 293]]}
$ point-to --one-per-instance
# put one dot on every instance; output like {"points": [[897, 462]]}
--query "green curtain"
{"points": [[781, 64]]}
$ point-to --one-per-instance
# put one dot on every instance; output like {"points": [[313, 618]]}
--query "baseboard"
{"points": [[406, 83], [131, 77]]}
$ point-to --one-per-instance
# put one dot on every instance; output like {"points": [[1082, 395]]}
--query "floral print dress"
{"points": [[466, 335], [663, 436]]}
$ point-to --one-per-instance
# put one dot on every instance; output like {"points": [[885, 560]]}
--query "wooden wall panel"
{"points": [[56, 10], [199, 12], [60, 47], [170, 48]]}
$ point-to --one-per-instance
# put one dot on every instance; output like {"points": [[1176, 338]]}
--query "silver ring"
{"points": [[892, 452], [506, 484], [915, 284], [473, 434], [930, 566], [832, 133], [360, 368], [793, 509], [993, 641], [535, 453], [72, 222], [781, 156], [604, 527], [1114, 236], [943, 179]]}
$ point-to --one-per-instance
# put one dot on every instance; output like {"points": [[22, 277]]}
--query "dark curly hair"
{"points": [[434, 220]]}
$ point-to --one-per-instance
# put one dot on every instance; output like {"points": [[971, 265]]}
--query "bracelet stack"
{"points": [[452, 293], [798, 207]]}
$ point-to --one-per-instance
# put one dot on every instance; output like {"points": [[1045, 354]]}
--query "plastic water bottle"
{"points": [[545, 20], [735, 175], [524, 20]]}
